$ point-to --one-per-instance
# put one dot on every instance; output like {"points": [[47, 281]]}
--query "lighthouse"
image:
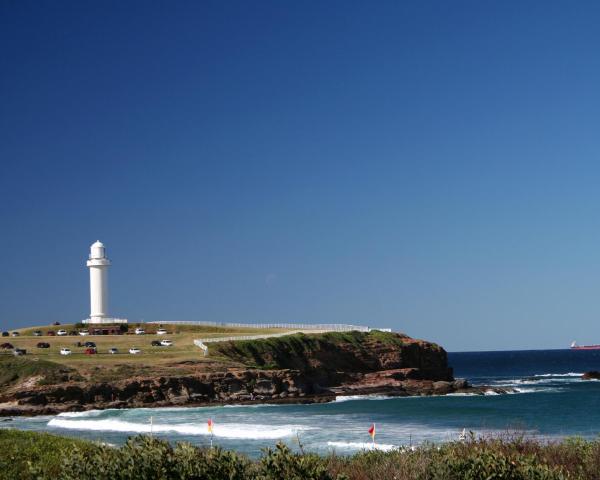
{"points": [[98, 264]]}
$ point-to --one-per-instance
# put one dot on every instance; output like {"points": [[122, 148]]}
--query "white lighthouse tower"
{"points": [[98, 264]]}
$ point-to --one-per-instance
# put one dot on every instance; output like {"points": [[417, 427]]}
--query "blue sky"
{"points": [[426, 166]]}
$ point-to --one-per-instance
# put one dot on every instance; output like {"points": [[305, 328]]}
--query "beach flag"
{"points": [[372, 432], [210, 426]]}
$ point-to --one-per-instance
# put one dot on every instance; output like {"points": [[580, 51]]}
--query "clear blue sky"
{"points": [[432, 167]]}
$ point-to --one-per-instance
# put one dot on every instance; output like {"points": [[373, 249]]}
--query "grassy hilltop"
{"points": [[182, 336]]}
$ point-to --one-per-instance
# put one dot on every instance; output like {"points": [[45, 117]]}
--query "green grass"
{"points": [[183, 348], [16, 369], [291, 351]]}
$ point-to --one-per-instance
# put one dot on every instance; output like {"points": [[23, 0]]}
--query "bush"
{"points": [[487, 465], [41, 456], [281, 463], [147, 458]]}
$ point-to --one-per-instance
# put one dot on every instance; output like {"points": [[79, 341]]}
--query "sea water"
{"points": [[551, 402]]}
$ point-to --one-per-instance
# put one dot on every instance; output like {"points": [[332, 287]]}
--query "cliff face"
{"points": [[349, 352], [297, 368]]}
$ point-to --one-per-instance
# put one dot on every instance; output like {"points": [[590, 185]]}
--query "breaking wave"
{"points": [[237, 431], [347, 398], [363, 446]]}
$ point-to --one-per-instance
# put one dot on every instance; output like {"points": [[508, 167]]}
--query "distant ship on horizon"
{"points": [[574, 346]]}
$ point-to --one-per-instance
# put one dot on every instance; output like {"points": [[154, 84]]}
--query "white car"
{"points": [[113, 350], [166, 343], [83, 333], [134, 351], [140, 331], [61, 332], [65, 351], [161, 331]]}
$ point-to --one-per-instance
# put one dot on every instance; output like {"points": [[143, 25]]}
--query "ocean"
{"points": [[551, 402]]}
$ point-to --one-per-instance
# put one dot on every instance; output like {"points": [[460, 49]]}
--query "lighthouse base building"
{"points": [[98, 264]]}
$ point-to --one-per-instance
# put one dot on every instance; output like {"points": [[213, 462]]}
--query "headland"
{"points": [[295, 368]]}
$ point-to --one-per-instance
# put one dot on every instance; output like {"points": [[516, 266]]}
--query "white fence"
{"points": [[201, 342], [326, 327]]}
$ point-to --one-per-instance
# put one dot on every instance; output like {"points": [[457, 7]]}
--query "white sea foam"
{"points": [[233, 431], [363, 446], [88, 413], [347, 398], [570, 374]]}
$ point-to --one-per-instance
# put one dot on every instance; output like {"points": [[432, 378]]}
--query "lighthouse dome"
{"points": [[97, 250]]}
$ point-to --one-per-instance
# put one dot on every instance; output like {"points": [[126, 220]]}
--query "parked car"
{"points": [[113, 350], [37, 333], [140, 331], [15, 334], [134, 351], [62, 332], [65, 351], [7, 346], [90, 351], [19, 351], [166, 343], [5, 334], [56, 323], [50, 333], [161, 331], [43, 345], [155, 343], [73, 333], [83, 332], [89, 345]]}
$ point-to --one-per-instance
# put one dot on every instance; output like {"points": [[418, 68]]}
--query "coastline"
{"points": [[205, 392]]}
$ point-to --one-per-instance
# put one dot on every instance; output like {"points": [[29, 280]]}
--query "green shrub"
{"points": [[147, 458], [282, 463], [487, 465]]}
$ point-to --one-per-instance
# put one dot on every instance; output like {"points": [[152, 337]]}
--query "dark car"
{"points": [[89, 345], [155, 343], [90, 351], [7, 346], [19, 351], [43, 345], [51, 333], [5, 334], [73, 333], [56, 323]]}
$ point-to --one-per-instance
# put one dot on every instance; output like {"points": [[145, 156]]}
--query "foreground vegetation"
{"points": [[29, 455]]}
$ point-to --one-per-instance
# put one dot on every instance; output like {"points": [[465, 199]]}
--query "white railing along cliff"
{"points": [[329, 327], [201, 342]]}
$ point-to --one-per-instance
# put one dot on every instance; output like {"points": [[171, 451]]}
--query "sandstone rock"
{"points": [[442, 387], [592, 375]]}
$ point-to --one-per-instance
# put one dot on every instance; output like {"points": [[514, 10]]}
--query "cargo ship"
{"points": [[574, 346]]}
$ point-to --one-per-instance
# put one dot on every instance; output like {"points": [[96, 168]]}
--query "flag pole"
{"points": [[150, 426]]}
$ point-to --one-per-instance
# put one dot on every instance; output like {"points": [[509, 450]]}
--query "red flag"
{"points": [[372, 431], [210, 425]]}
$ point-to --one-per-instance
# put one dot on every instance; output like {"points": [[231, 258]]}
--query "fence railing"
{"points": [[201, 342], [329, 327]]}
